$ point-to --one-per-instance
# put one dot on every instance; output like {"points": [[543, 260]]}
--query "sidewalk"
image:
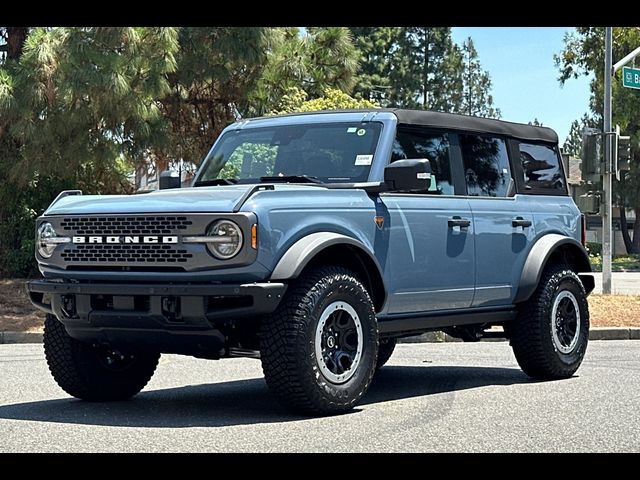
{"points": [[624, 283]]}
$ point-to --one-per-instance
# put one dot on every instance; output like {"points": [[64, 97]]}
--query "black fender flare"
{"points": [[303, 251], [539, 256]]}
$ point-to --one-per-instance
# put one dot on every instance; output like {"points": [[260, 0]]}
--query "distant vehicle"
{"points": [[313, 242]]}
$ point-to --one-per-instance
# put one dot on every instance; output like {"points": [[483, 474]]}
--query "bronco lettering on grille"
{"points": [[124, 239]]}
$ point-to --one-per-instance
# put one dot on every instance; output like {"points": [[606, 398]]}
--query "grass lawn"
{"points": [[17, 314]]}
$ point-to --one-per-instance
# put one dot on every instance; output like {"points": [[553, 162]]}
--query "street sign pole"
{"points": [[606, 173]]}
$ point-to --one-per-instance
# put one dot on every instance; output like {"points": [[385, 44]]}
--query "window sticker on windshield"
{"points": [[351, 130], [361, 132], [363, 160]]}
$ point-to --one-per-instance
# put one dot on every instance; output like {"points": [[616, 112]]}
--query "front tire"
{"points": [[319, 347], [91, 372], [550, 335]]}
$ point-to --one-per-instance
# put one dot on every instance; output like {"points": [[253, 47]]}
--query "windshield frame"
{"points": [[381, 151]]}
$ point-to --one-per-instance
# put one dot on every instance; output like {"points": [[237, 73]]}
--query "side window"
{"points": [[413, 143], [541, 166], [486, 165]]}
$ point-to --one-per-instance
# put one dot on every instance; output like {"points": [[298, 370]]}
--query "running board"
{"points": [[435, 322]]}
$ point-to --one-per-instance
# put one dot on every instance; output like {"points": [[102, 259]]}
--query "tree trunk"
{"points": [[16, 37], [635, 246], [625, 231]]}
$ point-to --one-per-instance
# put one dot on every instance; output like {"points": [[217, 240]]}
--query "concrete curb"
{"points": [[602, 333], [20, 337]]}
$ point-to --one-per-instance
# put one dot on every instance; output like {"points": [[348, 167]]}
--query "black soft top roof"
{"points": [[454, 121], [474, 124]]}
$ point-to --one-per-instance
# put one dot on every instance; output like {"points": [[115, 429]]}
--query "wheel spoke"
{"points": [[565, 327], [338, 339]]}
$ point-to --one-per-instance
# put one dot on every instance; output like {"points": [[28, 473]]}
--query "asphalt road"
{"points": [[624, 283], [431, 397]]}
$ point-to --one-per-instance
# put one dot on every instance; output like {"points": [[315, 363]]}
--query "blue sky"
{"points": [[525, 80]]}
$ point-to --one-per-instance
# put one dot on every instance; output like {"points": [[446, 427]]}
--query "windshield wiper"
{"points": [[216, 181], [292, 179]]}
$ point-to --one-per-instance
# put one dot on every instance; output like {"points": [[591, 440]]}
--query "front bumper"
{"points": [[175, 318]]}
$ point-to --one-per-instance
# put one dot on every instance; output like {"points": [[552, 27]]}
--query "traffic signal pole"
{"points": [[610, 166], [606, 173]]}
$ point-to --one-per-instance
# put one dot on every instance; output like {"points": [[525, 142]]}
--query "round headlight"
{"points": [[226, 239], [46, 232]]}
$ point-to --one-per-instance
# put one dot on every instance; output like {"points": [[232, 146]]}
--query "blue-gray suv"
{"points": [[313, 242]]}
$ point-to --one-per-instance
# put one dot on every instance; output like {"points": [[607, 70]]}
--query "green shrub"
{"points": [[595, 249]]}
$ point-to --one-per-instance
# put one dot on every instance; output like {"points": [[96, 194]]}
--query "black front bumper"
{"points": [[177, 318]]}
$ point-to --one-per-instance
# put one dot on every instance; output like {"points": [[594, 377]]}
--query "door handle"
{"points": [[458, 222], [520, 222]]}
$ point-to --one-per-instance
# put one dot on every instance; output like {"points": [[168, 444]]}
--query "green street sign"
{"points": [[631, 77]]}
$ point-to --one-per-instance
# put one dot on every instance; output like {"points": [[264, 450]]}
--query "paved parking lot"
{"points": [[431, 397]]}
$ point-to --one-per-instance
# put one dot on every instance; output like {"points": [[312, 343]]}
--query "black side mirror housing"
{"points": [[411, 175], [169, 179]]}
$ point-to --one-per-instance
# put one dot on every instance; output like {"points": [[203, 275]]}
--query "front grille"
{"points": [[129, 225], [125, 253]]}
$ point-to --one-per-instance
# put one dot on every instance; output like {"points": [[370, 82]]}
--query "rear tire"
{"points": [[319, 347], [550, 335], [94, 373], [385, 350]]}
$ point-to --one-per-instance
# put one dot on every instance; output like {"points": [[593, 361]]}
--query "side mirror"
{"points": [[411, 175], [169, 179]]}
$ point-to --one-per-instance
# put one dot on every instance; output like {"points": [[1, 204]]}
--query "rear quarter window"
{"points": [[542, 169]]}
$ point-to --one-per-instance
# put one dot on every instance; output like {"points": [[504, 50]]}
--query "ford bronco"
{"points": [[313, 242]]}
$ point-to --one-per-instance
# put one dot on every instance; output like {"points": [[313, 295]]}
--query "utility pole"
{"points": [[606, 174]]}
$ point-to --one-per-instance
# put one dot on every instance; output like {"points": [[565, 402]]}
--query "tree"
{"points": [[573, 143], [583, 54], [421, 67], [377, 47], [409, 67], [477, 99], [322, 57], [77, 108], [333, 99], [84, 107], [216, 69]]}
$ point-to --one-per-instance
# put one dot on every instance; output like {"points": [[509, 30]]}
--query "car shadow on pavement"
{"points": [[245, 402]]}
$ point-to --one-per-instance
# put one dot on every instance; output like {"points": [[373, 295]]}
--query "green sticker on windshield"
{"points": [[361, 132]]}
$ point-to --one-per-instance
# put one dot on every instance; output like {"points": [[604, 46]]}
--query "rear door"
{"points": [[428, 238], [502, 220]]}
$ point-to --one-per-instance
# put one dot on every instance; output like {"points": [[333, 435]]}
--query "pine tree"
{"points": [[477, 99], [376, 47], [324, 57]]}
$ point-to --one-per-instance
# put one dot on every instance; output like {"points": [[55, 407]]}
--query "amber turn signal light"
{"points": [[254, 236]]}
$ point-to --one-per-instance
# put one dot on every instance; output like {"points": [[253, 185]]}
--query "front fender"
{"points": [[302, 252]]}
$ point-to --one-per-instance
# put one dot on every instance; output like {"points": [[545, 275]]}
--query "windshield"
{"points": [[328, 152]]}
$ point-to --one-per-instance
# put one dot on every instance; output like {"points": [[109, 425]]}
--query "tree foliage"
{"points": [[573, 143], [333, 99], [421, 67], [476, 98], [583, 54], [85, 107], [321, 58]]}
